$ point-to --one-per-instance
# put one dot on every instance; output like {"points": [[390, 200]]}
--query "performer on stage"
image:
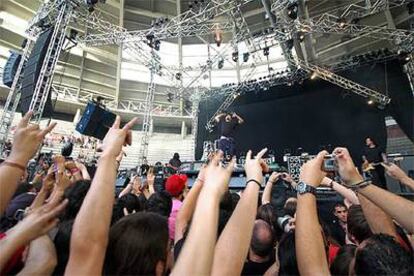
{"points": [[372, 158], [227, 123]]}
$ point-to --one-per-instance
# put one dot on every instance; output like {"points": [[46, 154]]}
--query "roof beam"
{"points": [[146, 13]]}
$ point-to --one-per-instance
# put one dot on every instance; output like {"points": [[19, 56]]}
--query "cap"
{"points": [[175, 184]]}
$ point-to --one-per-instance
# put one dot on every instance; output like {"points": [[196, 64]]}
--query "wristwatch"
{"points": [[303, 188]]}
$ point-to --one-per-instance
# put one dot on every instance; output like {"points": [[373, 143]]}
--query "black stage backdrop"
{"points": [[317, 114]]}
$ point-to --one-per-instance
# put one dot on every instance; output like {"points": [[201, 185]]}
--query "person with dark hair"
{"points": [[138, 245], [175, 163], [357, 225], [126, 205], [266, 213], [339, 224], [342, 262], [372, 159], [75, 194], [160, 203], [286, 254], [227, 123], [62, 245], [261, 255], [382, 255], [290, 206]]}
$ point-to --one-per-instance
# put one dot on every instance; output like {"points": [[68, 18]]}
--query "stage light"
{"points": [[220, 64], [301, 36], [370, 101], [178, 76], [235, 56], [73, 34], [157, 44], [266, 51], [341, 21], [289, 44], [314, 76], [246, 57], [292, 11], [170, 97]]}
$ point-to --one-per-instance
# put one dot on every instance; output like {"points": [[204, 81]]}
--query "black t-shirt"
{"points": [[227, 128], [337, 232], [373, 155], [253, 268], [175, 163]]}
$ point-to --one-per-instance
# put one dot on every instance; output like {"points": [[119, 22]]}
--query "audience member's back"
{"points": [[287, 255]]}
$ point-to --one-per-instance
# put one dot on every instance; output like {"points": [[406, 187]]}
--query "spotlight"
{"points": [[73, 34], [301, 36], [178, 76], [370, 102], [314, 76], [266, 51], [246, 57], [157, 44], [289, 44], [220, 63], [170, 97], [235, 56], [341, 21], [292, 11]]}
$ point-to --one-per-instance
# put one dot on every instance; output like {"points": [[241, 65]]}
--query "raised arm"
{"points": [[343, 191], [233, 244], [187, 209], [240, 119], [203, 232], [387, 204], [395, 172], [267, 192], [310, 252], [219, 116], [91, 227], [26, 141], [36, 224]]}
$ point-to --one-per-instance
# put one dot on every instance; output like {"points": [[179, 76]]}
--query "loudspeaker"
{"points": [[11, 67], [95, 121], [32, 71]]}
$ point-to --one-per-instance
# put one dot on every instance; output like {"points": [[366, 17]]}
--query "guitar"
{"points": [[366, 166]]}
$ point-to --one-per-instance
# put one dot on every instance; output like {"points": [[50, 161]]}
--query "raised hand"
{"points": [[394, 171], [27, 139], [255, 167], [40, 221], [117, 137], [274, 177], [216, 176], [346, 167], [311, 172]]}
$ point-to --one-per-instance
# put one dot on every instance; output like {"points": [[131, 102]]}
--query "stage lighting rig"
{"points": [[246, 57], [301, 36], [235, 56], [220, 64], [292, 10], [342, 22], [266, 51]]}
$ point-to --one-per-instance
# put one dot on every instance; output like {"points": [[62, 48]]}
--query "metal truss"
{"points": [[189, 23], [361, 9], [360, 60], [344, 83], [70, 95], [146, 124], [44, 81], [14, 97], [403, 38]]}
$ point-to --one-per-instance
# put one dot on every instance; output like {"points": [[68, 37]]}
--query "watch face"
{"points": [[301, 188]]}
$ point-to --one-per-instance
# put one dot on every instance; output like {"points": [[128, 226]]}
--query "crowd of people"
{"points": [[66, 221]]}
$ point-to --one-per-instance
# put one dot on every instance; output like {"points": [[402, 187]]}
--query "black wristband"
{"points": [[255, 181]]}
